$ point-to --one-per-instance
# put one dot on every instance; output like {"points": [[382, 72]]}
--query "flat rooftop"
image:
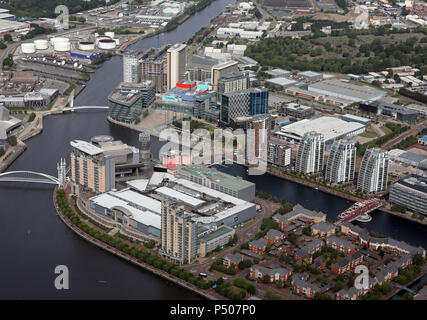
{"points": [[330, 127], [351, 91], [86, 147], [281, 81], [218, 177], [107, 200], [171, 193]]}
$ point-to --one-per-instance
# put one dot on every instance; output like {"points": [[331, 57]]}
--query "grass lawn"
{"points": [[369, 134], [385, 130]]}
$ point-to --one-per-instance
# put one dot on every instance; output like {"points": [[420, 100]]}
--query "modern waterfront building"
{"points": [[220, 70], [7, 123], [346, 90], [243, 103], [373, 172], [90, 168], [176, 60], [341, 162], [128, 100], [131, 70], [411, 192], [258, 132], [178, 233], [137, 216], [216, 180], [278, 153], [310, 153]]}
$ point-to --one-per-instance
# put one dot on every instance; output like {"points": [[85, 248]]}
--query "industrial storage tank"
{"points": [[61, 45], [58, 39], [106, 44], [41, 44], [86, 45], [109, 34], [28, 48], [101, 38]]}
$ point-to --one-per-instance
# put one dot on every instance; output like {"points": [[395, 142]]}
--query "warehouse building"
{"points": [[346, 90], [310, 76], [281, 82], [331, 128], [410, 192]]}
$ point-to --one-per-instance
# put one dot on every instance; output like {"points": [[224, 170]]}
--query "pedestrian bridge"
{"points": [[28, 176], [85, 108], [358, 209], [37, 177]]}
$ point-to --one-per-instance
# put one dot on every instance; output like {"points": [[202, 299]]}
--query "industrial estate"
{"points": [[327, 94]]}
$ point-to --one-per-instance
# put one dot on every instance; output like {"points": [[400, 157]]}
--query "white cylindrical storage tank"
{"points": [[41, 44], [62, 46], [109, 34], [106, 44], [58, 39], [101, 38], [28, 48], [86, 45]]}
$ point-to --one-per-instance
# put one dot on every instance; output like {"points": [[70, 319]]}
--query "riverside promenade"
{"points": [[203, 293]]}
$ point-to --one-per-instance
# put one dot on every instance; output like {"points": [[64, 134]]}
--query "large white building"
{"points": [[176, 59], [346, 90], [373, 173], [310, 153], [341, 162], [131, 67], [331, 128]]}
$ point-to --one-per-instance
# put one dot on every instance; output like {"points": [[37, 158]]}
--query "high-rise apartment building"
{"points": [[90, 168], [131, 70], [175, 64], [310, 153], [235, 81], [178, 233], [278, 153], [258, 132], [373, 172], [341, 162], [220, 70]]}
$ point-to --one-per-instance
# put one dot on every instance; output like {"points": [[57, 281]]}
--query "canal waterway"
{"points": [[34, 240]]}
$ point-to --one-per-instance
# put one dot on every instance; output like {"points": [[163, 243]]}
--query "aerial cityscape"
{"points": [[213, 150]]}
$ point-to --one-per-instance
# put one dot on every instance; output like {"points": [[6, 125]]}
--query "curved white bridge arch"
{"points": [[28, 176]]}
